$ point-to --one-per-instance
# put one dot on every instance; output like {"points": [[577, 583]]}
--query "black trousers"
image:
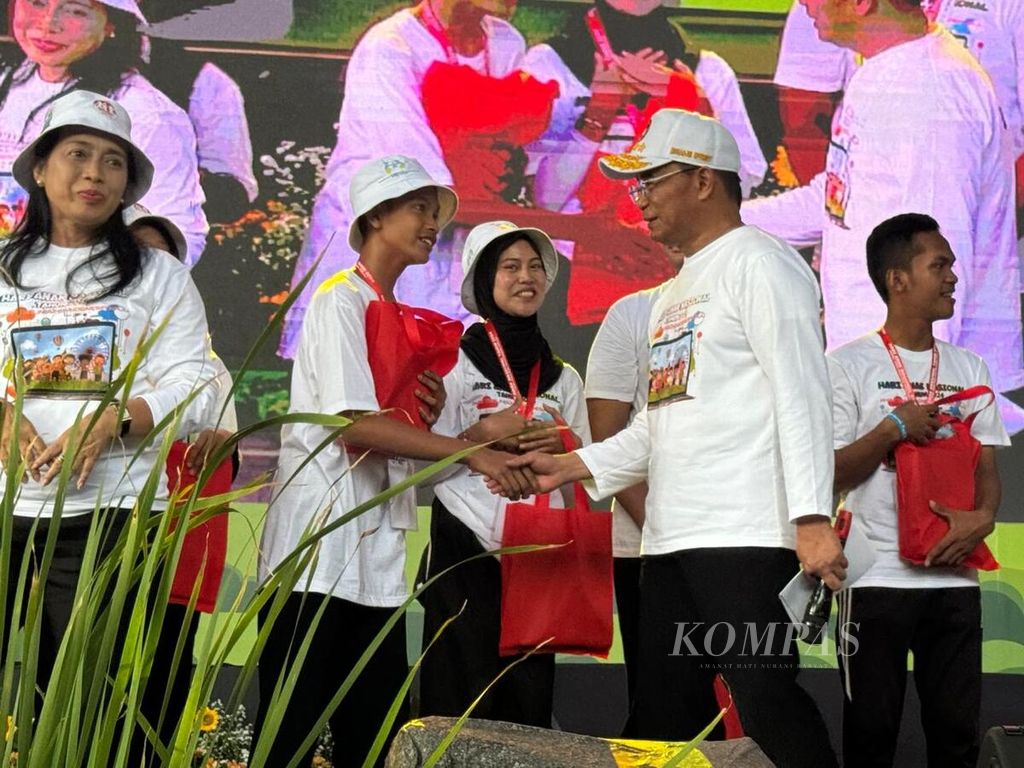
{"points": [[465, 659], [710, 611], [627, 605], [942, 627], [61, 580], [343, 634]]}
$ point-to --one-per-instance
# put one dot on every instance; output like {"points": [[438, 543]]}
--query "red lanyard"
{"points": [[428, 16], [901, 371], [370, 281], [531, 396]]}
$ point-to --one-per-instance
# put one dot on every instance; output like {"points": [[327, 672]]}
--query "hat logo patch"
{"points": [[625, 162], [394, 165], [105, 107]]}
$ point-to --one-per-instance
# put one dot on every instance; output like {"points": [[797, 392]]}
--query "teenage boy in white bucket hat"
{"points": [[361, 566], [735, 445]]}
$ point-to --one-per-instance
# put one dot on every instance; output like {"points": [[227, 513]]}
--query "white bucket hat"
{"points": [[140, 214], [386, 178], [84, 109], [483, 235], [676, 136], [128, 6]]}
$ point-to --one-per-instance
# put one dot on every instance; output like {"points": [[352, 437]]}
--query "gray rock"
{"points": [[489, 744]]}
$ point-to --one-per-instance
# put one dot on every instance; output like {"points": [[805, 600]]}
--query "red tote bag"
{"points": [[941, 471], [205, 546], [402, 342], [563, 593]]}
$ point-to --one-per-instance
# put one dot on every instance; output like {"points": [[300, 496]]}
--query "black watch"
{"points": [[126, 417]]}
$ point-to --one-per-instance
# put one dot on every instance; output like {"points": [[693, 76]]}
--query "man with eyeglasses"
{"points": [[735, 446]]}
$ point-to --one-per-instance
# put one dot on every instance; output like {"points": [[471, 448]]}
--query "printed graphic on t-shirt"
{"points": [[65, 360], [13, 200], [837, 178], [671, 361]]}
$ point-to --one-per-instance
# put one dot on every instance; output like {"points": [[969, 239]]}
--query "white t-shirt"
{"points": [[364, 560], [951, 161], [51, 323], [806, 61], [993, 31], [865, 388], [472, 396], [382, 113], [735, 442], [617, 369]]}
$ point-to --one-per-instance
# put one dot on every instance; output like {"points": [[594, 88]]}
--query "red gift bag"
{"points": [[564, 593], [205, 546], [402, 342], [941, 471]]}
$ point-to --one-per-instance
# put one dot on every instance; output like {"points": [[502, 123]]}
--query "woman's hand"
{"points": [[92, 444], [206, 443], [646, 71], [433, 396], [30, 444], [547, 437], [500, 427]]}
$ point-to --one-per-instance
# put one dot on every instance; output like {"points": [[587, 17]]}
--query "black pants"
{"points": [[62, 578], [343, 634], [942, 627], [627, 605], [710, 611], [465, 658]]}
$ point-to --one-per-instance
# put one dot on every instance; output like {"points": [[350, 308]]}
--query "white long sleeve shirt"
{"points": [[736, 439], [889, 154]]}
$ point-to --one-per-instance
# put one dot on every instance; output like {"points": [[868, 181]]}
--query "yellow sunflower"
{"points": [[210, 720]]}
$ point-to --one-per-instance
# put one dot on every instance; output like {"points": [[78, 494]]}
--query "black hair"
{"points": [[487, 268], [114, 266], [731, 183], [102, 71], [891, 246]]}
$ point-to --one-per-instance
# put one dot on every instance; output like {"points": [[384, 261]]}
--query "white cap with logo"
{"points": [[676, 136], [85, 109], [387, 178], [483, 235]]}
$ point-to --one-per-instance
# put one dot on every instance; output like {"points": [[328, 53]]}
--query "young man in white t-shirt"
{"points": [[919, 128], [360, 567], [896, 608], [734, 445]]}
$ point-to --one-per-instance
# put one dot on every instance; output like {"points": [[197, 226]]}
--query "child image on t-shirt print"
{"points": [[64, 360], [671, 361]]}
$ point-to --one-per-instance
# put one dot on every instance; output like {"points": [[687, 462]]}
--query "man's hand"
{"points": [[967, 529], [511, 482], [549, 472], [30, 444], [819, 551], [921, 421], [433, 396]]}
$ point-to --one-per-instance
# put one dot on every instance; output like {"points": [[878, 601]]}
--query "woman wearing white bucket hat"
{"points": [[506, 381], [360, 566], [95, 45], [80, 288]]}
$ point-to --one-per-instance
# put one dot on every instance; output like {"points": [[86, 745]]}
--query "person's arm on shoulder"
{"points": [[795, 216]]}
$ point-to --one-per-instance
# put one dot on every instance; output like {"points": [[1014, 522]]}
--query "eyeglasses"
{"points": [[643, 186]]}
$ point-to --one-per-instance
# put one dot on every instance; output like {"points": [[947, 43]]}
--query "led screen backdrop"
{"points": [[276, 102]]}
